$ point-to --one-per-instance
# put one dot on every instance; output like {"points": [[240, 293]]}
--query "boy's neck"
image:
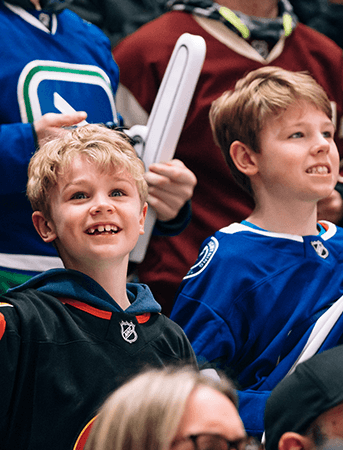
{"points": [[257, 8], [112, 280], [296, 220]]}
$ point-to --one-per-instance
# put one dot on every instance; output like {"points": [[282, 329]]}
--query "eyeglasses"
{"points": [[214, 442]]}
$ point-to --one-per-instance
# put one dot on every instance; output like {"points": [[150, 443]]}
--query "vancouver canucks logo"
{"points": [[60, 87], [320, 249], [204, 258], [128, 331]]}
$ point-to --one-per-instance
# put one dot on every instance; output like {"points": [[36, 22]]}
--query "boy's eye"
{"points": [[116, 193], [296, 135], [328, 134], [78, 196]]}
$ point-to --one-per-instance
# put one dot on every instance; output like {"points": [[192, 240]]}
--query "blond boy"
{"points": [[250, 302], [70, 336]]}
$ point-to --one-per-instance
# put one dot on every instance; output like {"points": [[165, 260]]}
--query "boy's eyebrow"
{"points": [[300, 123], [83, 181], [74, 183]]}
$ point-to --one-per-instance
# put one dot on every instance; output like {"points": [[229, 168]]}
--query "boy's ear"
{"points": [[294, 441], [244, 158], [142, 219], [44, 228]]}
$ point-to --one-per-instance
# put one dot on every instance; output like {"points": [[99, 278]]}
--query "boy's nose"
{"points": [[102, 206], [321, 145]]}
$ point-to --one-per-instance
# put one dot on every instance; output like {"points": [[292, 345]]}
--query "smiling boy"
{"points": [[94, 221], [69, 337], [250, 302]]}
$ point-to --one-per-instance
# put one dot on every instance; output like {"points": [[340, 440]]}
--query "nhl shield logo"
{"points": [[128, 332], [320, 249]]}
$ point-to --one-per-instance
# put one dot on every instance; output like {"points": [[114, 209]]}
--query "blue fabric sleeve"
{"points": [[210, 336], [17, 145], [251, 409]]}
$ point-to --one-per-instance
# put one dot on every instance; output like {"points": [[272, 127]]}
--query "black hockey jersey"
{"points": [[65, 346]]}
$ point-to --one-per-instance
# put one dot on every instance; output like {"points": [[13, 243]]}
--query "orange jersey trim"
{"points": [[324, 225], [141, 318], [87, 308]]}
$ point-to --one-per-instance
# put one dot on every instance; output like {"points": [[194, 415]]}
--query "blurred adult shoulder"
{"points": [[322, 15], [116, 18]]}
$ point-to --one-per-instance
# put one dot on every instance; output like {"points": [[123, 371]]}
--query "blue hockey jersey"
{"points": [[67, 67], [250, 302]]}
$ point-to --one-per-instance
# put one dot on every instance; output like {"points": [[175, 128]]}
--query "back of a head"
{"points": [[240, 114], [145, 413], [312, 389]]}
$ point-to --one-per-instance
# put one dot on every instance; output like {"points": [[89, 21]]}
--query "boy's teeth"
{"points": [[102, 228], [318, 169]]}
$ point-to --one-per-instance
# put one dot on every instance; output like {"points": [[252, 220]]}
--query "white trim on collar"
{"points": [[237, 227], [331, 230], [33, 20]]}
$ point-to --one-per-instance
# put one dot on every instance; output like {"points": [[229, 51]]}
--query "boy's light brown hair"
{"points": [[108, 149], [240, 114]]}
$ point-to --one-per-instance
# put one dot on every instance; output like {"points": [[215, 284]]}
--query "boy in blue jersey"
{"points": [[69, 337], [250, 302]]}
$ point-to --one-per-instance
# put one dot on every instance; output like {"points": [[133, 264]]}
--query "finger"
{"points": [[166, 177], [165, 203], [173, 199], [174, 170], [173, 193], [165, 169], [156, 179], [72, 119], [66, 120], [163, 211], [176, 196], [171, 163], [164, 184]]}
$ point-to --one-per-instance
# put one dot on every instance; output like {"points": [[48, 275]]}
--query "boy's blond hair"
{"points": [[240, 114], [108, 149], [145, 413]]}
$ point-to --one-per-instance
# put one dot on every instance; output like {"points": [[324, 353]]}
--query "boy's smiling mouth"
{"points": [[99, 229], [319, 169]]}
